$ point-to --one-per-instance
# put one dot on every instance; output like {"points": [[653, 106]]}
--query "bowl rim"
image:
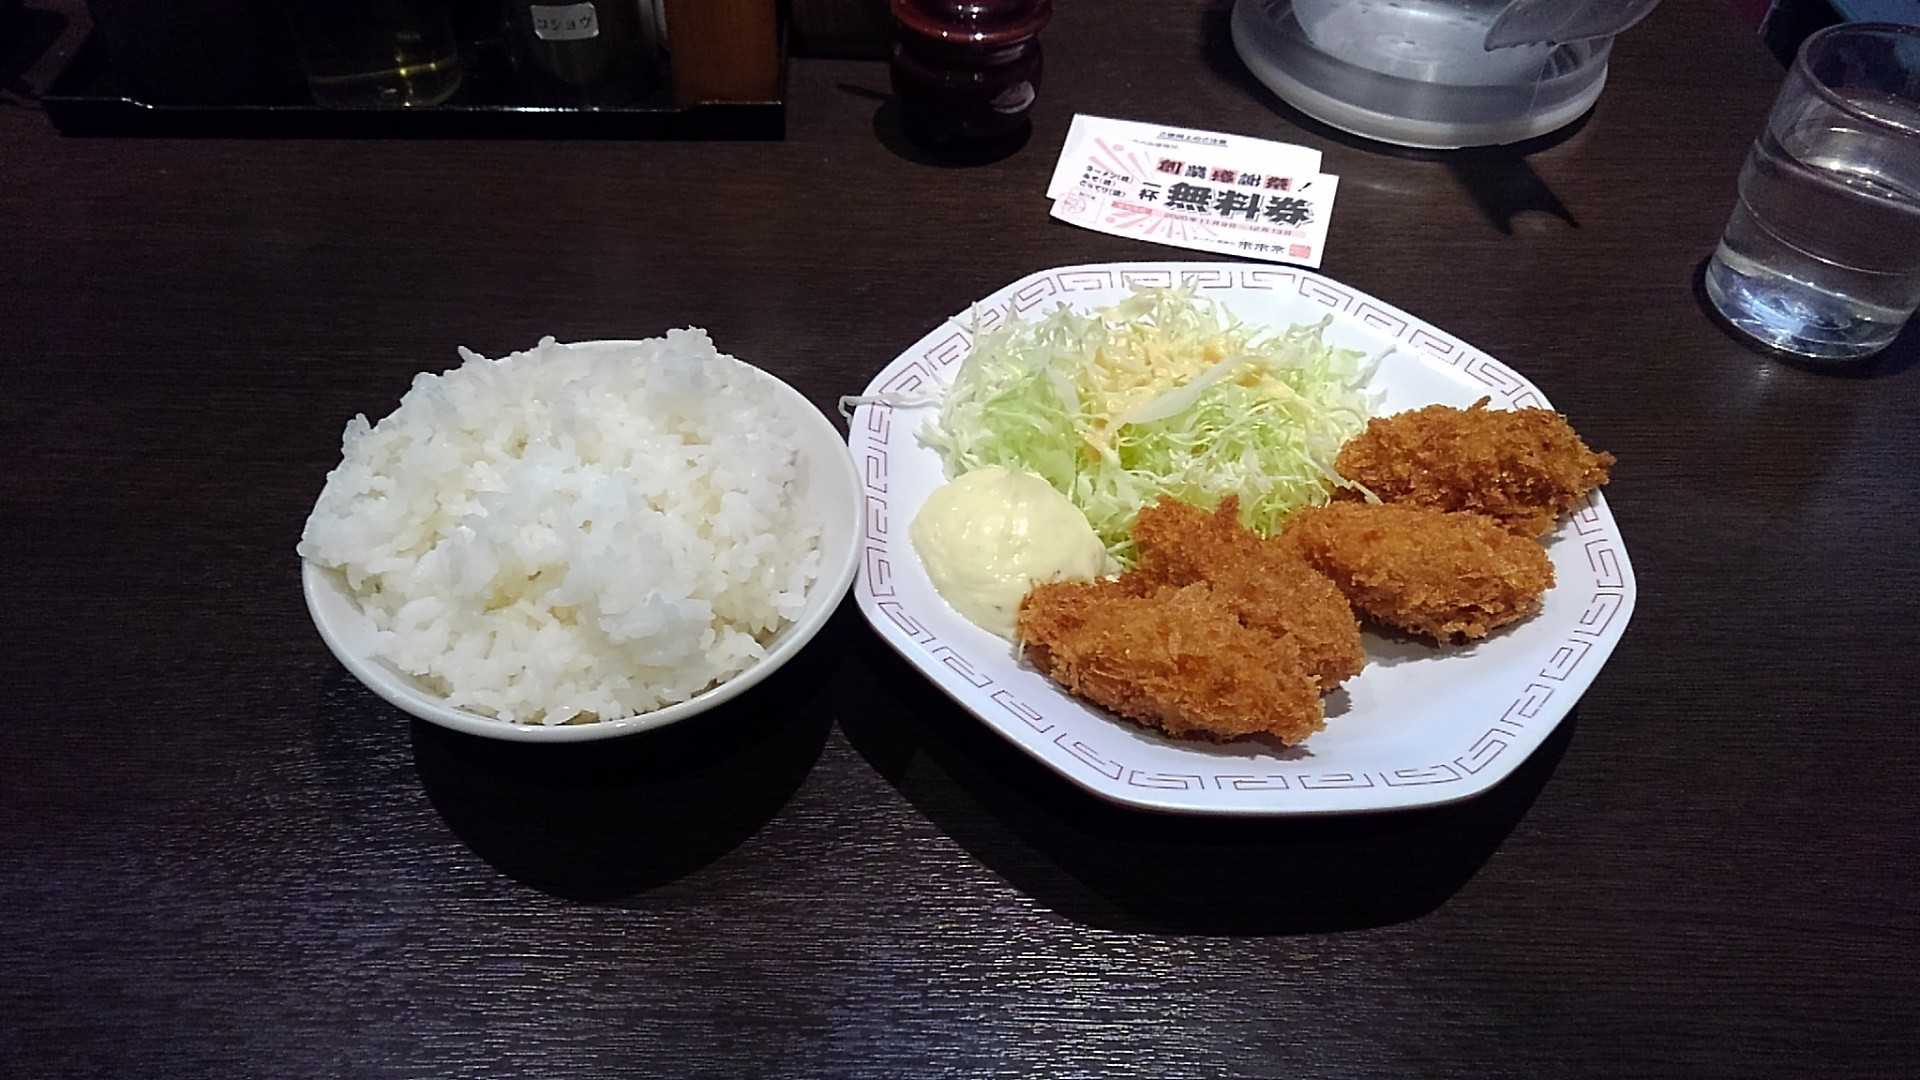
{"points": [[829, 591]]}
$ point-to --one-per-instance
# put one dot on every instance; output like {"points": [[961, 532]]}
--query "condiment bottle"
{"points": [[589, 53], [966, 71], [376, 53]]}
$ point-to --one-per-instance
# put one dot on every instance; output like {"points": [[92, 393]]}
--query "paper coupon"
{"points": [[1189, 146], [1202, 190]]}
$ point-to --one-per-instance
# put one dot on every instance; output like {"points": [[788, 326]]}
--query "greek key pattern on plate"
{"points": [[874, 431]]}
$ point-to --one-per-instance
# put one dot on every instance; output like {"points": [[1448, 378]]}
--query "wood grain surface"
{"points": [[222, 857]]}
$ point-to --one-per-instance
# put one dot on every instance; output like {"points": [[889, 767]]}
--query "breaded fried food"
{"points": [[1521, 467], [1175, 658], [1444, 575], [1268, 587]]}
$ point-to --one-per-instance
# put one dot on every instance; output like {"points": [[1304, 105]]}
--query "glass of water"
{"points": [[1822, 255]]}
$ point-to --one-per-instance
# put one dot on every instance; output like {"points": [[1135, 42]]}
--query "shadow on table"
{"points": [[600, 821], [1116, 869], [1896, 358], [1499, 180]]}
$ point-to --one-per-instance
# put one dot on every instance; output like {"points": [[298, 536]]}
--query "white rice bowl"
{"points": [[566, 535]]}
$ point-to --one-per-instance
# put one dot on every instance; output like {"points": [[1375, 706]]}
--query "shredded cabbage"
{"points": [[1161, 394]]}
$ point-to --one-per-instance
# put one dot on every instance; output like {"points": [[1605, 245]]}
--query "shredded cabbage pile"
{"points": [[1161, 394]]}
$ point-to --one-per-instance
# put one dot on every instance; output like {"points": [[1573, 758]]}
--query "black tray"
{"points": [[87, 99]]}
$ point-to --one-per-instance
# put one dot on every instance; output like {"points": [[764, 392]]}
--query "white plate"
{"points": [[1419, 726], [830, 484]]}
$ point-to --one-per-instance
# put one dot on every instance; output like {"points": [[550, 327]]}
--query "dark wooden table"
{"points": [[220, 856]]}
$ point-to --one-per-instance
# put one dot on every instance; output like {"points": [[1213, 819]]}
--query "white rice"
{"points": [[573, 535]]}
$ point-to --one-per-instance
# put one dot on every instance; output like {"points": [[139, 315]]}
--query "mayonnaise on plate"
{"points": [[989, 536]]}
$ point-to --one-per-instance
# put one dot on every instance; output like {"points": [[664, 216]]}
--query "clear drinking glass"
{"points": [[1822, 255]]}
